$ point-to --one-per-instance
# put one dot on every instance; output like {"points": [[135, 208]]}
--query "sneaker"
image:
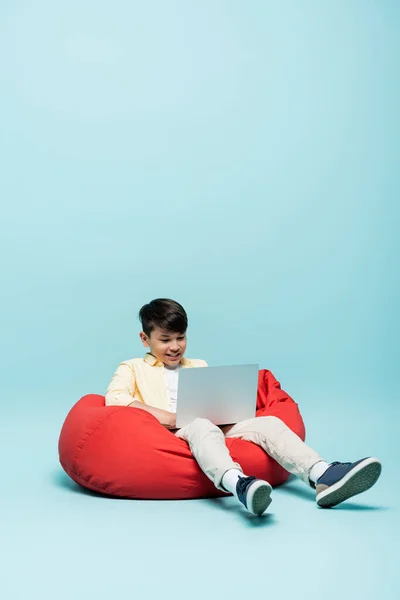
{"points": [[254, 494], [344, 480]]}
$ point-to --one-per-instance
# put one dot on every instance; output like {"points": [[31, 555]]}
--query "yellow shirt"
{"points": [[142, 379]]}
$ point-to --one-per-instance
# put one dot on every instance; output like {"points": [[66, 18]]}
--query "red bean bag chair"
{"points": [[125, 452]]}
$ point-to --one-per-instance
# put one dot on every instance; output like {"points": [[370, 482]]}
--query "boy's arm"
{"points": [[167, 419], [121, 390], [122, 386]]}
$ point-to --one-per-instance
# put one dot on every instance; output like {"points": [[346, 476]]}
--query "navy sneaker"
{"points": [[344, 480], [254, 493]]}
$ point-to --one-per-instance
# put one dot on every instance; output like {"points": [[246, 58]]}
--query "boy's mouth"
{"points": [[173, 356]]}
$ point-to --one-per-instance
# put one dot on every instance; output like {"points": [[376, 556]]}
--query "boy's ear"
{"points": [[145, 339]]}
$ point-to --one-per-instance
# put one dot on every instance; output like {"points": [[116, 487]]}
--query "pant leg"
{"points": [[279, 442], [207, 444]]}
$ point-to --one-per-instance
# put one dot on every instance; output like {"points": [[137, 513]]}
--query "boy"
{"points": [[151, 384]]}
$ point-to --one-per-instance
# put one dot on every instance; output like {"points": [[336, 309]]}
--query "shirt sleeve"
{"points": [[122, 386]]}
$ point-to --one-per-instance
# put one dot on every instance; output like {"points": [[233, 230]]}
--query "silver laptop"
{"points": [[224, 395]]}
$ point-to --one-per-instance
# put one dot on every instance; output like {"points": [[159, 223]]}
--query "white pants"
{"points": [[207, 444]]}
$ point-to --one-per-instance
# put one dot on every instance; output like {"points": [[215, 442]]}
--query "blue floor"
{"points": [[59, 541]]}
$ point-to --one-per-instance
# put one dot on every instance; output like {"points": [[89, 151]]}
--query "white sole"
{"points": [[258, 497], [358, 480]]}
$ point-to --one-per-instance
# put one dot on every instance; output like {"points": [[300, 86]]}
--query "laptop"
{"points": [[223, 395]]}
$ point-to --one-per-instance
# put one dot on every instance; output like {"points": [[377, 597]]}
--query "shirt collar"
{"points": [[154, 362]]}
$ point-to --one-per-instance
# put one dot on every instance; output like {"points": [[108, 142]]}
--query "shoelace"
{"points": [[346, 464]]}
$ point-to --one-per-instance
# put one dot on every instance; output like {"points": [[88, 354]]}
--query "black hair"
{"points": [[165, 314]]}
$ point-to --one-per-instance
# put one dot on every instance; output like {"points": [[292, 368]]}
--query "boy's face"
{"points": [[166, 346]]}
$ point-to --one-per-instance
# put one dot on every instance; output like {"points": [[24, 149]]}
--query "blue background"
{"points": [[242, 158]]}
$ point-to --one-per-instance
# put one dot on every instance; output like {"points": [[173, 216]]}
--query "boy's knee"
{"points": [[201, 423], [195, 428], [272, 421]]}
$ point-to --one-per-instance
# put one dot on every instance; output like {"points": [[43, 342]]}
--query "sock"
{"points": [[318, 470], [230, 480]]}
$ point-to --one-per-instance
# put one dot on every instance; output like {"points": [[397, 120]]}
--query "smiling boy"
{"points": [[151, 384]]}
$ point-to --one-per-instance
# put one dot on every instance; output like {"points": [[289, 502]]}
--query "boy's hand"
{"points": [[171, 421], [166, 418]]}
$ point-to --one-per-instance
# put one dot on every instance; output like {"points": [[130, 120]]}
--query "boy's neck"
{"points": [[172, 367]]}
